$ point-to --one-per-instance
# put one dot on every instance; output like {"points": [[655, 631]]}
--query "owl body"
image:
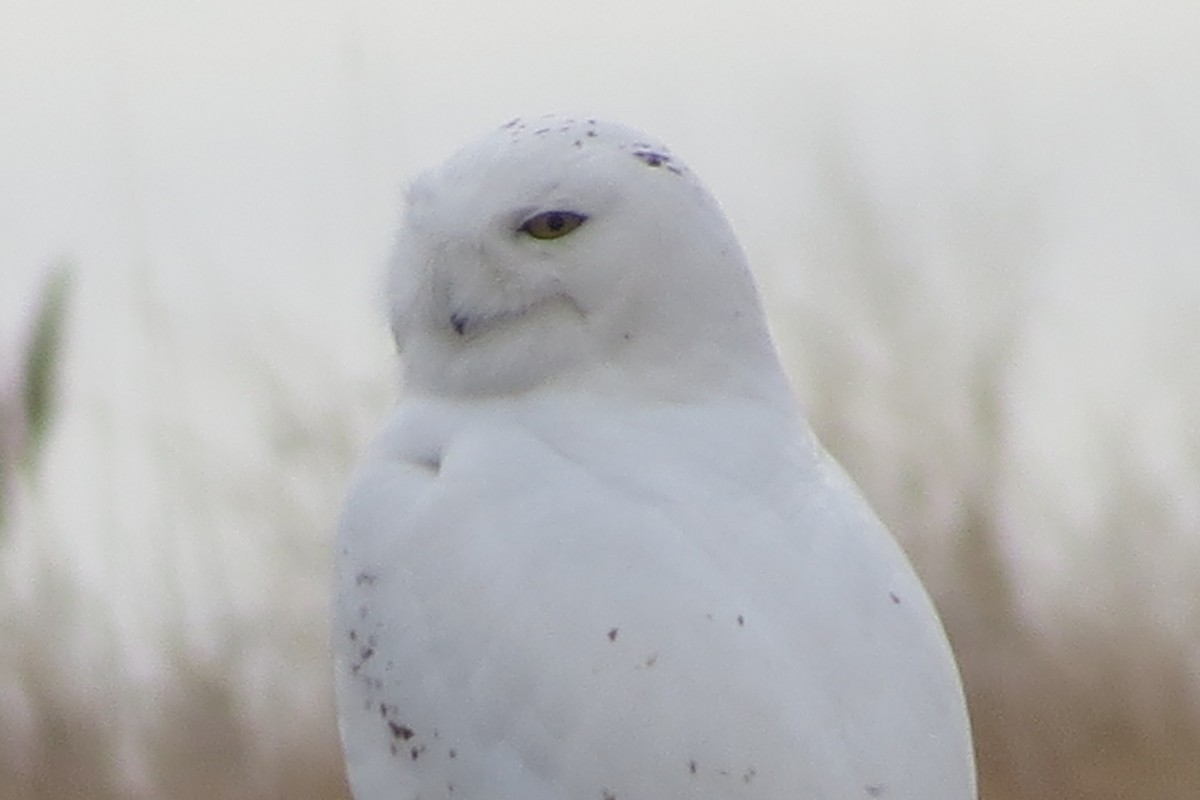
{"points": [[616, 564]]}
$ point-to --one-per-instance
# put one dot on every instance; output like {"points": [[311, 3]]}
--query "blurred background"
{"points": [[976, 227]]}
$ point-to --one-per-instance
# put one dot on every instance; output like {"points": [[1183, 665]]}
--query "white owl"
{"points": [[596, 553]]}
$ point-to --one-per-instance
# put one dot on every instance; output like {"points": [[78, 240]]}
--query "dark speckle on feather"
{"points": [[651, 158], [400, 731], [612, 635]]}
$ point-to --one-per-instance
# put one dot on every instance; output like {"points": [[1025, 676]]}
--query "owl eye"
{"points": [[552, 224]]}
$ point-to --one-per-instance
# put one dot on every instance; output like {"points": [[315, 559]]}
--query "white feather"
{"points": [[596, 552]]}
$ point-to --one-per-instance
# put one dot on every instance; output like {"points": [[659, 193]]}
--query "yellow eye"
{"points": [[552, 224]]}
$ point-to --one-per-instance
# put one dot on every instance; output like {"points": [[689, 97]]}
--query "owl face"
{"points": [[557, 249]]}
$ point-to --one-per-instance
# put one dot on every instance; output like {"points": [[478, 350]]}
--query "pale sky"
{"points": [[268, 137]]}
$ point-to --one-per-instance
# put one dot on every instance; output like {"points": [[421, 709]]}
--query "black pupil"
{"points": [[556, 221]]}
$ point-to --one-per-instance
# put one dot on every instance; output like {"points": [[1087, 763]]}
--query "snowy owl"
{"points": [[596, 553]]}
